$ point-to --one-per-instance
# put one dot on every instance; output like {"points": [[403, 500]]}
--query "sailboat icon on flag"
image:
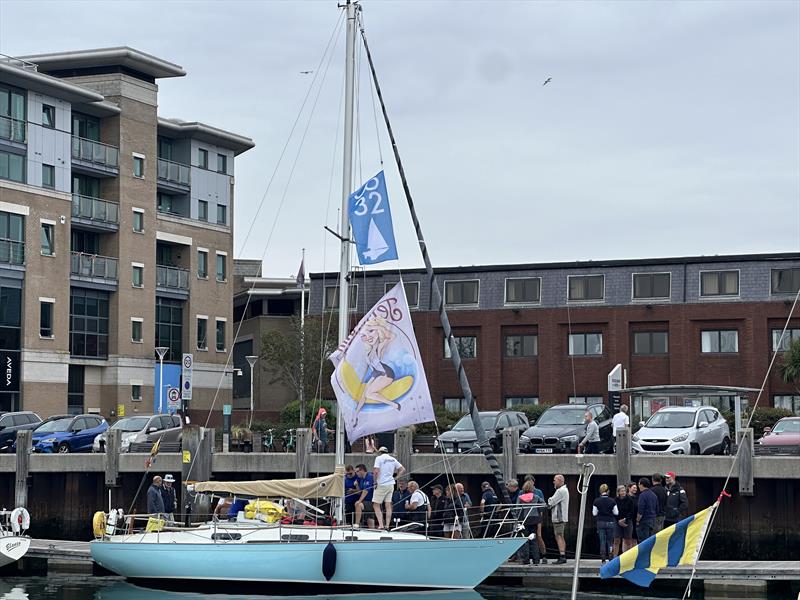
{"points": [[371, 221], [376, 243]]}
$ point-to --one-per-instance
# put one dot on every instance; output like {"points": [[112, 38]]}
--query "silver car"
{"points": [[136, 429], [684, 430]]}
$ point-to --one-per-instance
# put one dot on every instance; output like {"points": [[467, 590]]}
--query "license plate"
{"points": [[448, 450], [543, 450]]}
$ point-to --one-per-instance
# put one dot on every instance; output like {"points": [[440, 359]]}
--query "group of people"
{"points": [[161, 497]]}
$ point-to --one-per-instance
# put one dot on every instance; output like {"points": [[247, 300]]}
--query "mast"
{"points": [[303, 342]]}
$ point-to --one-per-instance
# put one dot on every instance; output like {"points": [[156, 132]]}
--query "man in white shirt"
{"points": [[418, 507], [385, 469], [619, 421], [559, 513]]}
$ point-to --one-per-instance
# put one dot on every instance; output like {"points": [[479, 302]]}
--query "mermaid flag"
{"points": [[379, 380]]}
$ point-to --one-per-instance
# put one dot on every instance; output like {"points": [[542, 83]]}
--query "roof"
{"points": [[120, 56], [689, 390], [45, 84], [176, 128]]}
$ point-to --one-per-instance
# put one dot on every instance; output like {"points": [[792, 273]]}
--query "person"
{"points": [[384, 471], [155, 501], [539, 538], [559, 513], [531, 521], [451, 513], [417, 507], [351, 492], [488, 502], [223, 508], [605, 513], [399, 499], [320, 431], [366, 483], [168, 494], [436, 520], [661, 493], [619, 421], [464, 503], [513, 490], [369, 444], [377, 336], [677, 501], [633, 494], [647, 509], [623, 532], [591, 441]]}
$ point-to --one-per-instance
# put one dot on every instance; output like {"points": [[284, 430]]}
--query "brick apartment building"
{"points": [[551, 333], [115, 235]]}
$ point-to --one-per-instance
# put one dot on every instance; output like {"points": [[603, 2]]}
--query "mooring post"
{"points": [[111, 458], [508, 462], [23, 466], [623, 456], [197, 445], [303, 449], [258, 439], [403, 441], [746, 483]]}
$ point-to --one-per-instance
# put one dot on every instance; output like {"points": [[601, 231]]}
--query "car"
{"points": [[170, 432], [67, 433], [786, 432], [11, 423], [461, 437], [561, 427], [134, 429], [683, 430]]}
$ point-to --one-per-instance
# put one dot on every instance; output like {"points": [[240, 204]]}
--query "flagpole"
{"points": [[303, 341]]}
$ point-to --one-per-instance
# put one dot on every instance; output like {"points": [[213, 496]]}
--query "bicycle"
{"points": [[289, 440], [269, 441]]}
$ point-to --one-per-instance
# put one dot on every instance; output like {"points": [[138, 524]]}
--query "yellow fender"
{"points": [[99, 523]]}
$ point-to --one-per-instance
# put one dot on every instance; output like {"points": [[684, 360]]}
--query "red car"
{"points": [[785, 433]]}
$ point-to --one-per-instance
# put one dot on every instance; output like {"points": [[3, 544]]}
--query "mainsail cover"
{"points": [[327, 486]]}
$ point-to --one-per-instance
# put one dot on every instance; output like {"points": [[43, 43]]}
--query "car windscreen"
{"points": [[569, 416], [54, 425], [131, 424], [465, 423], [671, 420], [787, 427]]}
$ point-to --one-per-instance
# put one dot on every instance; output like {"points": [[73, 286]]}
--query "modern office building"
{"points": [[116, 230], [551, 333]]}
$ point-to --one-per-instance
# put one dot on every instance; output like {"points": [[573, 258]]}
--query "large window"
{"points": [[169, 327], [85, 126], [46, 318], [461, 293], [585, 344], [650, 342], [586, 287], [202, 333], [785, 281], [585, 399], [412, 291], [88, 323], [719, 341], [525, 290], [12, 167], [791, 403], [782, 345], [164, 202], [467, 346], [332, 297], [12, 114], [651, 285], [220, 335], [75, 389], [458, 405], [719, 283], [12, 238], [522, 345], [515, 401]]}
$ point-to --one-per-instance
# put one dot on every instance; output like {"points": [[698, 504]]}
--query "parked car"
{"points": [[786, 432], [67, 433], [461, 437], [11, 423], [133, 427], [684, 430], [170, 433], [561, 427]]}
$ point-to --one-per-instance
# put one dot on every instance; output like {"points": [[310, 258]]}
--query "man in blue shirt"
{"points": [[366, 483], [350, 492], [647, 510]]}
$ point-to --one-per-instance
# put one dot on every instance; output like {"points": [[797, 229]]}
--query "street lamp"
{"points": [[161, 351], [252, 361]]}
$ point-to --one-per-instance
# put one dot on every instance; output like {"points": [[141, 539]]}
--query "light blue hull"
{"points": [[407, 564]]}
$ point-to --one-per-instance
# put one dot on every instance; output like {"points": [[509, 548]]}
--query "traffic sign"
{"points": [[173, 398], [187, 366]]}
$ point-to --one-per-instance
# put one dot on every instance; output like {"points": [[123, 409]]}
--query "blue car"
{"points": [[67, 433]]}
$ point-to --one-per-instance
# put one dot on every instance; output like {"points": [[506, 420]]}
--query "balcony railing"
{"points": [[95, 152], [12, 252], [86, 207], [92, 265], [172, 277], [174, 172], [12, 129]]}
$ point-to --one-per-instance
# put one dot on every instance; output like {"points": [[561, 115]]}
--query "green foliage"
{"points": [[290, 414], [444, 418], [532, 411], [790, 364], [765, 416]]}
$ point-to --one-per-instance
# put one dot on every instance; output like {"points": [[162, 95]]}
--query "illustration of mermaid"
{"points": [[377, 336]]}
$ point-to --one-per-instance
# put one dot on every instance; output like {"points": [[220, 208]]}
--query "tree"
{"points": [[790, 365]]}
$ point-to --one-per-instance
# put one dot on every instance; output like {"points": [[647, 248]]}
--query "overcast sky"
{"points": [[669, 128]]}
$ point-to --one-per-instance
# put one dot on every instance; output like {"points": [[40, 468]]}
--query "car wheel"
{"points": [[694, 449], [725, 449], [63, 448]]}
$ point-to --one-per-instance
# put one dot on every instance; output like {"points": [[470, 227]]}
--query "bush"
{"points": [[290, 414], [444, 418], [763, 416]]}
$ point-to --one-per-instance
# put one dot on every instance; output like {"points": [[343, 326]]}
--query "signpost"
{"points": [[173, 399], [614, 388], [187, 366]]}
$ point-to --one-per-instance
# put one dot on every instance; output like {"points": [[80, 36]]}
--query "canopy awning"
{"points": [[690, 390], [328, 486]]}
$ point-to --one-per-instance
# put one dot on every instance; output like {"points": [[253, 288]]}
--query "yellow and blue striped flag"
{"points": [[678, 544]]}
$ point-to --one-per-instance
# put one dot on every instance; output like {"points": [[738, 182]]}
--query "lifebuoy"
{"points": [[99, 523], [20, 520]]}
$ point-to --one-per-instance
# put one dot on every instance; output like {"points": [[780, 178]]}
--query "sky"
{"points": [[668, 128]]}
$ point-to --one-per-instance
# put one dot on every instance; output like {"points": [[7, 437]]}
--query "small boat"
{"points": [[14, 543]]}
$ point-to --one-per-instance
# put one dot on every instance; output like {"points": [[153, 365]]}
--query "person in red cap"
{"points": [[677, 502], [319, 431]]}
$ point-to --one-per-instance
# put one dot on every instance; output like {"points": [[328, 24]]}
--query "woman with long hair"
{"points": [[377, 337]]}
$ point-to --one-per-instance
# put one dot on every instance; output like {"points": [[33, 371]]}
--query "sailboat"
{"points": [[14, 544], [250, 551]]}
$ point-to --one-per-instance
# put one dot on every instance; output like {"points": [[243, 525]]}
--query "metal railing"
{"points": [[19, 63], [12, 252], [172, 277], [12, 129], [95, 152], [174, 172], [93, 265], [96, 209]]}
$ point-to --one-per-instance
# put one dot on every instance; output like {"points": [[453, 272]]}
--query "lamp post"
{"points": [[252, 361], [161, 351]]}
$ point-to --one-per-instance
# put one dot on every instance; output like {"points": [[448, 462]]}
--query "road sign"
{"points": [[120, 410], [173, 398], [187, 366]]}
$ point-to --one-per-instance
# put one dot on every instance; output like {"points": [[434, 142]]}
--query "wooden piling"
{"points": [[746, 483], [508, 462], [623, 456], [403, 440], [303, 449], [23, 466], [197, 444], [111, 458]]}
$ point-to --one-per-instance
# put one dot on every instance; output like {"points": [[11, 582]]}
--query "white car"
{"points": [[684, 430]]}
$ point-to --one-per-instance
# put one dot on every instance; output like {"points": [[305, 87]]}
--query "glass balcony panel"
{"points": [[91, 265], [95, 152], [12, 129], [173, 172], [12, 252], [172, 277], [95, 209]]}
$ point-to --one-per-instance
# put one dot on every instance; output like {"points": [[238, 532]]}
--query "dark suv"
{"points": [[461, 437], [11, 423], [561, 428]]}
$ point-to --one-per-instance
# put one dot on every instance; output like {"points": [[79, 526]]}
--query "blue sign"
{"points": [[371, 221], [172, 379]]}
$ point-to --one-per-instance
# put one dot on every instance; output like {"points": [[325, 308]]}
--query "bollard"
{"points": [[403, 440], [508, 461], [258, 441], [226, 442], [23, 466], [746, 483], [111, 457], [303, 449], [623, 456]]}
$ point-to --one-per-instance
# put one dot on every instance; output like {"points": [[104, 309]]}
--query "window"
{"points": [[138, 166], [47, 234], [202, 158], [586, 287], [138, 276], [585, 399], [89, 323], [202, 264], [784, 281], [138, 221], [220, 335], [202, 333], [332, 297], [164, 202], [467, 346], [585, 344], [75, 389], [49, 176], [46, 318], [222, 272], [461, 293], [169, 327], [48, 116], [719, 283], [12, 167], [512, 401], [136, 330], [524, 290], [202, 210], [222, 163], [790, 336], [136, 392], [12, 238], [412, 291], [650, 342], [85, 126], [222, 214], [12, 105], [720, 341], [522, 345], [651, 285], [458, 405], [791, 403]]}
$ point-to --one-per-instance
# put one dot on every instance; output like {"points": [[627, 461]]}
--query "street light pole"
{"points": [[161, 351], [252, 361]]}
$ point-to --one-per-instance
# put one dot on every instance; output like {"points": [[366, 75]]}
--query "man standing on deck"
{"points": [[647, 510], [168, 494], [559, 512], [661, 493], [591, 442], [399, 499], [677, 502], [385, 469], [155, 502]]}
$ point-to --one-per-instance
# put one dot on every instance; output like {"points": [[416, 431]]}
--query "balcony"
{"points": [[12, 129], [173, 176], [95, 214], [172, 282], [101, 271], [12, 252], [94, 158]]}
